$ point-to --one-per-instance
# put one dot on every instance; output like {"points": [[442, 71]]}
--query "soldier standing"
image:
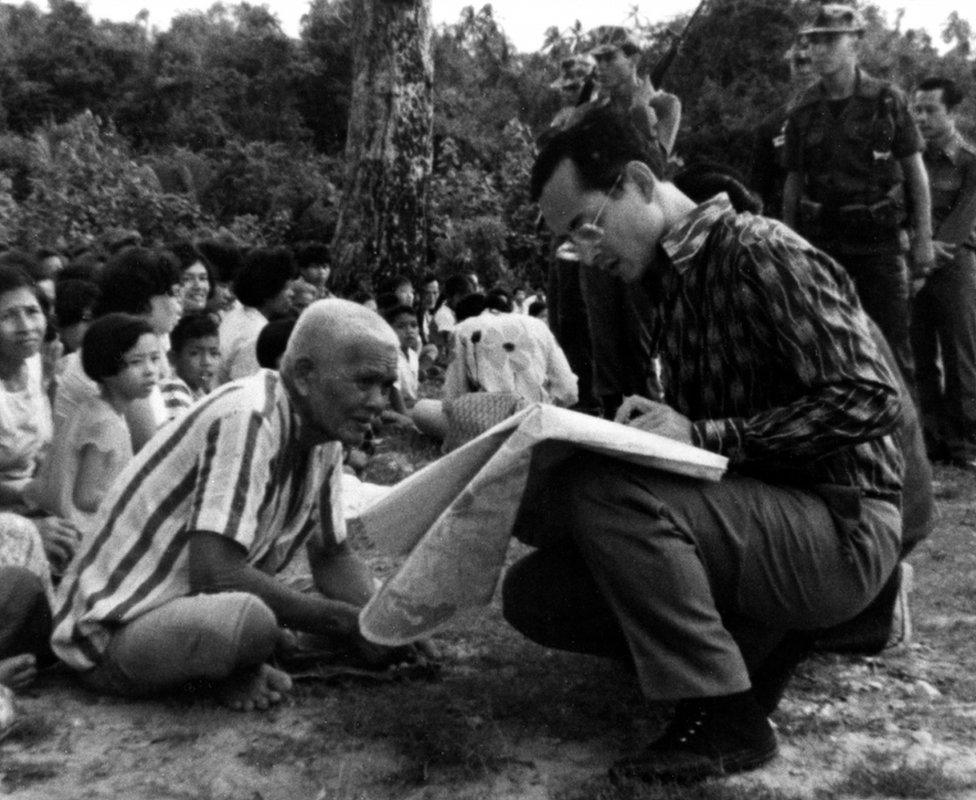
{"points": [[944, 309], [657, 114], [854, 165], [574, 72]]}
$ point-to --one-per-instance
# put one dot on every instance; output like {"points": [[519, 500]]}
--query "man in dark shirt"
{"points": [[854, 172], [767, 358], [944, 310]]}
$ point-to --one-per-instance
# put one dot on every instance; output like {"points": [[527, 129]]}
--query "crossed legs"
{"points": [[223, 638]]}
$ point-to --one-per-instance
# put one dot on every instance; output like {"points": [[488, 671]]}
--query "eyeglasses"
{"points": [[588, 237]]}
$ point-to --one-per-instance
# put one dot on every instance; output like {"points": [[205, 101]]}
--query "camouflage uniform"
{"points": [[848, 153]]}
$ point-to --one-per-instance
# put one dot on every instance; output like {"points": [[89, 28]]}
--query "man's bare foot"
{"points": [[255, 689], [18, 672]]}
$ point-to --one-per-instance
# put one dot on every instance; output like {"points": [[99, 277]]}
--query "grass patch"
{"points": [[603, 789], [29, 731], [432, 727], [15, 775], [277, 749], [883, 773], [508, 689]]}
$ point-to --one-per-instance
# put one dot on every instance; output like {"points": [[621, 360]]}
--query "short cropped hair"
{"points": [[600, 144], [133, 276], [457, 285], [362, 297], [399, 280], [952, 95], [272, 341], [192, 326], [263, 275], [224, 257], [470, 306], [25, 262], [499, 299], [73, 300], [393, 313], [703, 180], [14, 277], [106, 342], [308, 253]]}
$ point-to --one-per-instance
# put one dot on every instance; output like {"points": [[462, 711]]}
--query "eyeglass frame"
{"points": [[596, 231]]}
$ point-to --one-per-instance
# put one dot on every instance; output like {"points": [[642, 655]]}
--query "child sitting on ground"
{"points": [[403, 320], [194, 355], [120, 352]]}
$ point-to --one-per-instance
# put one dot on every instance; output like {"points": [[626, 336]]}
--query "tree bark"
{"points": [[382, 225]]}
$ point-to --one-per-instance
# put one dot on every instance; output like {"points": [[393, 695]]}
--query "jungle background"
{"points": [[222, 124]]}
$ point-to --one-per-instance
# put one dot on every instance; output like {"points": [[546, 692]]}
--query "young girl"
{"points": [[120, 352]]}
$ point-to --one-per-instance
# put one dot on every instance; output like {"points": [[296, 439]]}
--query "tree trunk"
{"points": [[382, 226]]}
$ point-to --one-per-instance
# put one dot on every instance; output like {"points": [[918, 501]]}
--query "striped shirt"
{"points": [[765, 346], [232, 466]]}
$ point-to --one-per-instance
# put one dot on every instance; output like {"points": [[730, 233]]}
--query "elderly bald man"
{"points": [[176, 581]]}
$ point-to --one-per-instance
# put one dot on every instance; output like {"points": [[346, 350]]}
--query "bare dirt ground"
{"points": [[506, 719]]}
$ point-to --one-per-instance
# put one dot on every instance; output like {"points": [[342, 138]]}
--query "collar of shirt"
{"points": [[865, 85], [688, 235], [949, 150]]}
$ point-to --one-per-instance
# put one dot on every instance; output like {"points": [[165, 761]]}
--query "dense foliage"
{"points": [[223, 121]]}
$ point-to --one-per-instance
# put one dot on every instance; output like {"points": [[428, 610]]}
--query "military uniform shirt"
{"points": [[851, 157]]}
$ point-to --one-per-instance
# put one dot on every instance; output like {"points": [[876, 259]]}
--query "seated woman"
{"points": [[196, 277], [120, 353], [263, 286], [28, 547], [225, 260], [144, 282]]}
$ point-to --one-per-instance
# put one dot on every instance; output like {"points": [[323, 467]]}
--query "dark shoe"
{"points": [[707, 738]]}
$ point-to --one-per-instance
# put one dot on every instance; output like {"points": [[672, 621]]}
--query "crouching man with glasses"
{"points": [[769, 359]]}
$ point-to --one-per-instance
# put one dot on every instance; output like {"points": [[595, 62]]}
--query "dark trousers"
{"points": [[567, 320], [594, 318], [620, 342], [882, 286], [695, 582], [944, 332], [25, 616]]}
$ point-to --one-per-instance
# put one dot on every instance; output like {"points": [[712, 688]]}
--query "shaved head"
{"points": [[339, 366], [328, 328]]}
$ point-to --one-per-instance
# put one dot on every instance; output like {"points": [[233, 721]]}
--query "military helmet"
{"points": [[608, 38], [836, 18]]}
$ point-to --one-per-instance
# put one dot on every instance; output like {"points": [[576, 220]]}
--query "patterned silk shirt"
{"points": [[765, 347]]}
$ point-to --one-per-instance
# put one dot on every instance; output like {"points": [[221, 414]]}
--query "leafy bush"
{"points": [[286, 189], [84, 182]]}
